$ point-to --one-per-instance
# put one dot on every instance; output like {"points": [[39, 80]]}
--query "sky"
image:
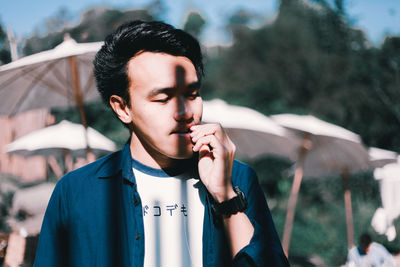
{"points": [[377, 18]]}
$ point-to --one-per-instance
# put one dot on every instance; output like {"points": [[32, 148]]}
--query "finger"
{"points": [[209, 140], [205, 148], [200, 131], [205, 151]]}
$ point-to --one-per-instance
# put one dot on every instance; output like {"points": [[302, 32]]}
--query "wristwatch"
{"points": [[231, 206]]}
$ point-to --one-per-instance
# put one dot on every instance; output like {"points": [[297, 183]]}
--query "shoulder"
{"points": [[353, 251], [377, 247], [86, 176], [82, 186], [102, 167]]}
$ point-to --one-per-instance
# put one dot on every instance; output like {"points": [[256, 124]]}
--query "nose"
{"points": [[184, 112]]}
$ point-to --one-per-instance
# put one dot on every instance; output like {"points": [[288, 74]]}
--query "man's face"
{"points": [[165, 103]]}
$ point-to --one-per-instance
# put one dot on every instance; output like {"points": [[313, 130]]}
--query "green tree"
{"points": [[310, 60], [61, 19], [386, 89], [5, 56], [194, 24], [156, 9], [95, 25]]}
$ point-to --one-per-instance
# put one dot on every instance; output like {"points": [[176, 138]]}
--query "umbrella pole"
{"points": [[79, 101], [348, 208], [52, 161], [298, 176], [77, 91]]}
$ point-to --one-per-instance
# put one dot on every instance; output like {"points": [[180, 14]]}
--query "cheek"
{"points": [[198, 112], [153, 121], [147, 114]]}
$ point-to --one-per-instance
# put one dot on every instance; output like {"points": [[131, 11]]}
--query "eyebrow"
{"points": [[169, 90], [158, 91], [194, 85]]}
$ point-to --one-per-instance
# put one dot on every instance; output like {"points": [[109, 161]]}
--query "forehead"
{"points": [[151, 69]]}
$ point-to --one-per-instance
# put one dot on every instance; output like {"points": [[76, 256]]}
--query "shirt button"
{"points": [[137, 236], [135, 201]]}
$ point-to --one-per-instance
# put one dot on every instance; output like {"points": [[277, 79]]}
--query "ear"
{"points": [[120, 108]]}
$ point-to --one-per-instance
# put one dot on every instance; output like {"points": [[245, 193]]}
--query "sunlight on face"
{"points": [[165, 103]]}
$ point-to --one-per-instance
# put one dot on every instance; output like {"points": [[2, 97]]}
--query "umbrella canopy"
{"points": [[332, 148], [389, 180], [380, 157], [327, 149], [62, 136], [59, 77], [253, 133], [28, 208]]}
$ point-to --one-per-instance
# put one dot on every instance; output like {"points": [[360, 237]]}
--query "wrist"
{"points": [[224, 195], [231, 206]]}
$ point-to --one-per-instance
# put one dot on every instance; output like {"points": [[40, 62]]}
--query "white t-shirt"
{"points": [[173, 214], [377, 256]]}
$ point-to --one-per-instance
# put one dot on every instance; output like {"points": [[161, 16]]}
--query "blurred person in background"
{"points": [[369, 253], [174, 195]]}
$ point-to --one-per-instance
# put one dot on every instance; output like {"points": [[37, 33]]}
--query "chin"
{"points": [[184, 154]]}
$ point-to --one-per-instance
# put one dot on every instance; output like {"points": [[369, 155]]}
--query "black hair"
{"points": [[365, 241], [131, 38]]}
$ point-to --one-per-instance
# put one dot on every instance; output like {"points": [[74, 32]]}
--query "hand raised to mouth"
{"points": [[216, 155]]}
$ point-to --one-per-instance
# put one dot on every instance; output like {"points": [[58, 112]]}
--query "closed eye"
{"points": [[162, 99], [161, 95], [193, 94]]}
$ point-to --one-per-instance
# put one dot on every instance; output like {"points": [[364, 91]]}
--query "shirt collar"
{"points": [[117, 162], [121, 161], [185, 166]]}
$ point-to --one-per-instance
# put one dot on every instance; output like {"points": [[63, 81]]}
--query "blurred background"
{"points": [[338, 60]]}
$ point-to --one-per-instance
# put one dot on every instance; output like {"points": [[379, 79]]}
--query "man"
{"points": [[174, 196], [369, 253]]}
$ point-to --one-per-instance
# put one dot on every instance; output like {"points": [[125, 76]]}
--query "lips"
{"points": [[182, 131]]}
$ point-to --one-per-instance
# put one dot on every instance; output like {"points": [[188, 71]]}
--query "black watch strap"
{"points": [[231, 206]]}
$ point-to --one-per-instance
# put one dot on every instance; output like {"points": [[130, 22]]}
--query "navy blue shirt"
{"points": [[95, 218]]}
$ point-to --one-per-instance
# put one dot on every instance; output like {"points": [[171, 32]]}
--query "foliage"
{"points": [[61, 19], [194, 24], [319, 228], [156, 9], [5, 55], [8, 185], [240, 17], [309, 60], [95, 25]]}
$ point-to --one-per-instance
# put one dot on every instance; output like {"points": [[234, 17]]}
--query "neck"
{"points": [[149, 156]]}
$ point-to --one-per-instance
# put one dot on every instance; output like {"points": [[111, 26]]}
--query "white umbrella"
{"points": [[59, 77], [389, 180], [64, 140], [379, 157], [64, 135], [253, 133], [30, 203], [327, 149]]}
